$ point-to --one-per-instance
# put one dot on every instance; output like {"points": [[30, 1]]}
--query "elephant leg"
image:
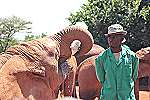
{"points": [[89, 86], [137, 89], [69, 84], [148, 81]]}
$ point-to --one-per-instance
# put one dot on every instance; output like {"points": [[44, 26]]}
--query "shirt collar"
{"points": [[123, 52]]}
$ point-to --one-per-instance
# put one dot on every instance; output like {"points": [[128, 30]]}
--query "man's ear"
{"points": [[123, 40]]}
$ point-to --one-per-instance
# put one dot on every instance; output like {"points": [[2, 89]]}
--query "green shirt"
{"points": [[117, 77]]}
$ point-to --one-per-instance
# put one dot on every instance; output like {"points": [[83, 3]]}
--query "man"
{"points": [[117, 67]]}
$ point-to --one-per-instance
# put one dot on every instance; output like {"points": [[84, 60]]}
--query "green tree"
{"points": [[8, 27], [32, 37], [133, 15]]}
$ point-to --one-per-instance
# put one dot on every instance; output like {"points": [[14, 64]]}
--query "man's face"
{"points": [[115, 40]]}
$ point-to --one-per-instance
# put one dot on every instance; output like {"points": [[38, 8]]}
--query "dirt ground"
{"points": [[143, 95]]}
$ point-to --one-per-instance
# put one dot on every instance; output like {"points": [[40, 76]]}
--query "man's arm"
{"points": [[135, 68], [100, 73]]}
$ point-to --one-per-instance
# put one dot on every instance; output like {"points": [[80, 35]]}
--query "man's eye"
{"points": [[112, 37]]}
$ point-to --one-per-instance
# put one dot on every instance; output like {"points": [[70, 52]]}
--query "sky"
{"points": [[46, 15]]}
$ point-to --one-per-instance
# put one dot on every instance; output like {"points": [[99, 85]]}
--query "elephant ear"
{"points": [[75, 33]]}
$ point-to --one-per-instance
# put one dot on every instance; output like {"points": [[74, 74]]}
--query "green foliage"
{"points": [[4, 43], [32, 37], [8, 27], [29, 37], [133, 15]]}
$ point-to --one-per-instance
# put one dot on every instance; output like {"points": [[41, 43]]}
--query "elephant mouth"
{"points": [[42, 74], [39, 72]]}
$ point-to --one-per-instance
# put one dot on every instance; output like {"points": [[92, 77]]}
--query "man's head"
{"points": [[115, 35]]}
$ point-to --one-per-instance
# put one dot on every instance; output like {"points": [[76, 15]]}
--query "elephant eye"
{"points": [[56, 56], [51, 54]]}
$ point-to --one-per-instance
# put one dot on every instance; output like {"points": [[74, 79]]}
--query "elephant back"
{"points": [[96, 50]]}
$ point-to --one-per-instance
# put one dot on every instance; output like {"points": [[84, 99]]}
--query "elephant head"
{"points": [[32, 71], [144, 66]]}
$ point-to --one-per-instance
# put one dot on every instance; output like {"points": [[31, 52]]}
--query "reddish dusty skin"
{"points": [[89, 86]]}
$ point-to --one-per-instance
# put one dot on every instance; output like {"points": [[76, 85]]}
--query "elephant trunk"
{"points": [[68, 35]]}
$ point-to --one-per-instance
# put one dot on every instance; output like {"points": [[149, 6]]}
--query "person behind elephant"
{"points": [[69, 68], [75, 47], [117, 67]]}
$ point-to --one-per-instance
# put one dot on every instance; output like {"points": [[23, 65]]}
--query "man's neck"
{"points": [[116, 50]]}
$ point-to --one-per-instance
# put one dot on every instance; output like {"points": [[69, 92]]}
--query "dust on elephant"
{"points": [[32, 72], [89, 85]]}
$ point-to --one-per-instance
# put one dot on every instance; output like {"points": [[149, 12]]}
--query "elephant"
{"points": [[31, 70], [144, 69], [144, 56], [69, 89], [89, 86]]}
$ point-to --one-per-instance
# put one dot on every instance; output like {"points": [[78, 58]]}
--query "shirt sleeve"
{"points": [[135, 68], [100, 73]]}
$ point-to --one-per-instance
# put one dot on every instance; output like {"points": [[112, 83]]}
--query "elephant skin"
{"points": [[144, 56], [89, 86], [4, 58], [31, 71], [144, 68]]}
